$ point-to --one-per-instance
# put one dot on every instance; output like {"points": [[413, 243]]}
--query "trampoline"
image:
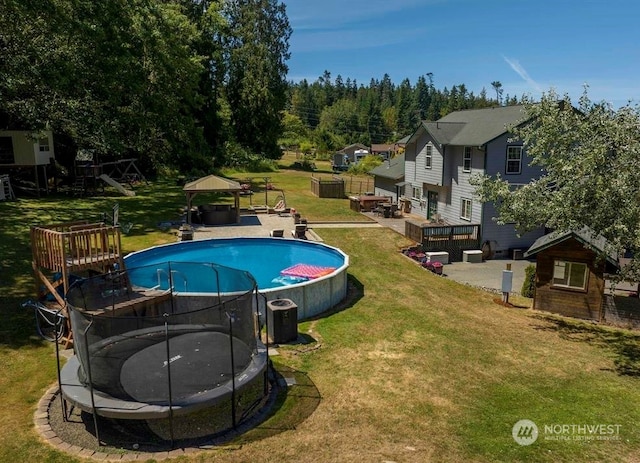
{"points": [[146, 354]]}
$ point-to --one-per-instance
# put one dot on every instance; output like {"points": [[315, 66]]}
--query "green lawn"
{"points": [[414, 367]]}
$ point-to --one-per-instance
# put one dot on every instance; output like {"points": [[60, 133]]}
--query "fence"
{"points": [[357, 185], [333, 188]]}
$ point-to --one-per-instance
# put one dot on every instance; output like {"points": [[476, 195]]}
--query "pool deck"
{"points": [[487, 274]]}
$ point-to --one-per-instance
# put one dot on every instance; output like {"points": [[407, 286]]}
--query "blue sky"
{"points": [[530, 46]]}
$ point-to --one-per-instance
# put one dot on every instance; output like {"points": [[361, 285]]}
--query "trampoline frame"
{"points": [[98, 403]]}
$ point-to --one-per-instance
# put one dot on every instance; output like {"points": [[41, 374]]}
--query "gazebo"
{"points": [[214, 214]]}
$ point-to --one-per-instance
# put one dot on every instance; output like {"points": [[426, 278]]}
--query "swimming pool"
{"points": [[264, 258]]}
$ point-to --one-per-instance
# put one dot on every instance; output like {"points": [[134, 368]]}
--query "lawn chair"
{"points": [[281, 206]]}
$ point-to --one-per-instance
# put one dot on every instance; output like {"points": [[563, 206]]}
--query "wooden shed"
{"points": [[570, 273]]}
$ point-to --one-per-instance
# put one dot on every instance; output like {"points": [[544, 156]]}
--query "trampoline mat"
{"points": [[199, 362]]}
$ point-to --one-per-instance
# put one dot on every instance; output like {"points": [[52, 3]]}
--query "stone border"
{"points": [[48, 435]]}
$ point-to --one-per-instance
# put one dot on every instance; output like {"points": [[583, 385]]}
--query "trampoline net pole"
{"points": [[166, 341], [91, 390], [233, 371]]}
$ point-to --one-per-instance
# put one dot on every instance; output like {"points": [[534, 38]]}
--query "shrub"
{"points": [[529, 284]]}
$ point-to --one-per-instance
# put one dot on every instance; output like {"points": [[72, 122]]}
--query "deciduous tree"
{"points": [[589, 159]]}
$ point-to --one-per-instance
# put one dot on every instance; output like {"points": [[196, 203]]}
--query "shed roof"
{"points": [[393, 169], [585, 236], [212, 183]]}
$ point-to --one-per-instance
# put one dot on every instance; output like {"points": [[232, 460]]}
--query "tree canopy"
{"points": [[589, 159], [169, 81]]}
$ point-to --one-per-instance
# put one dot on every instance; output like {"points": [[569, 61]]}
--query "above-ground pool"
{"points": [[311, 274]]}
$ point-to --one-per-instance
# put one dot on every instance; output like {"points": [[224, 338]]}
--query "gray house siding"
{"points": [[385, 187], [460, 186], [504, 238], [419, 176], [497, 161]]}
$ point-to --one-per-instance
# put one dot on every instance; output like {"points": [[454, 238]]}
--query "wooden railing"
{"points": [[73, 247], [450, 238]]}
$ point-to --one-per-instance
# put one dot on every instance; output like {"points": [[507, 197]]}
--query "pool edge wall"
{"points": [[312, 297]]}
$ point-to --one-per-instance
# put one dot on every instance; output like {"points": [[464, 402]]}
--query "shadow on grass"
{"points": [[624, 345], [292, 399], [355, 292]]}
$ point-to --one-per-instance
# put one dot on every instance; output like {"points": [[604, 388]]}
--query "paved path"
{"points": [[487, 274]]}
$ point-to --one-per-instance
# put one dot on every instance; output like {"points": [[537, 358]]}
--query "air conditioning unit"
{"points": [[282, 321]]}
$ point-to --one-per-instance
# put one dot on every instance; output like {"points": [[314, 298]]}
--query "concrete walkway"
{"points": [[487, 274]]}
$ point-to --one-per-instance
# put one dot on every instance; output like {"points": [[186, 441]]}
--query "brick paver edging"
{"points": [[48, 435]]}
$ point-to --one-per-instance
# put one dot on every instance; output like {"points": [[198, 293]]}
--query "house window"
{"points": [[416, 193], [428, 157], [466, 159], [44, 145], [465, 209], [571, 275], [514, 159]]}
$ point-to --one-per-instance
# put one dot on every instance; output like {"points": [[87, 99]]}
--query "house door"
{"points": [[432, 204]]}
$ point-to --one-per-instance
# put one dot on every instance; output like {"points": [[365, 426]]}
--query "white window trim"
{"points": [[43, 145], [467, 155], [565, 267], [428, 157], [519, 160], [414, 190], [464, 201]]}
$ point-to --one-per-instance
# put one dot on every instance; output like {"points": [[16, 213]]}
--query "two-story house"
{"points": [[441, 157]]}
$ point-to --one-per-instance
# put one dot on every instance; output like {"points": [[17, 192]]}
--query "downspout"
{"points": [[444, 163]]}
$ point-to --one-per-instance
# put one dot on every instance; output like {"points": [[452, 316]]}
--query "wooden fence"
{"points": [[356, 185], [333, 188]]}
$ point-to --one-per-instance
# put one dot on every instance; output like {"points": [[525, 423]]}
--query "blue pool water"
{"points": [[264, 258]]}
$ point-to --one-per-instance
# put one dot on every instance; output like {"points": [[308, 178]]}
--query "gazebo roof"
{"points": [[211, 183]]}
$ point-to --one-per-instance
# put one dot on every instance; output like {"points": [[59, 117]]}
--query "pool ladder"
{"points": [[170, 278]]}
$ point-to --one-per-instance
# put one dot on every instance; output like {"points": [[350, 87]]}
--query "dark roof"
{"points": [[382, 147], [353, 145], [473, 127], [586, 237], [393, 169]]}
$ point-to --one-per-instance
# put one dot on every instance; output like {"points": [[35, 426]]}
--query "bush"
{"points": [[529, 284]]}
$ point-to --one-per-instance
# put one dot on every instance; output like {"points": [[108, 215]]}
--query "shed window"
{"points": [[44, 145], [571, 275], [466, 159]]}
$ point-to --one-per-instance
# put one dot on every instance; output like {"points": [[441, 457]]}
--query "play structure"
{"points": [[63, 253], [91, 173]]}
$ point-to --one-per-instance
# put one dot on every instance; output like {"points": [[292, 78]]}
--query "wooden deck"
{"points": [[450, 238]]}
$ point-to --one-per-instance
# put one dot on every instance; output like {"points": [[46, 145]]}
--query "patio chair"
{"points": [[281, 207]]}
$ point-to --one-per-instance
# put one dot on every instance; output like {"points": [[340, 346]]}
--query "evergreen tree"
{"points": [[257, 48]]}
